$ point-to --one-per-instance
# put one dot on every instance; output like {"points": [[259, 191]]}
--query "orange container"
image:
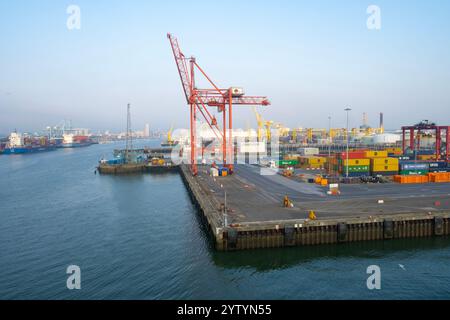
{"points": [[411, 179], [439, 177]]}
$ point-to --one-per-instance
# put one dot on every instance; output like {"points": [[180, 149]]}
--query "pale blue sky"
{"points": [[311, 58]]}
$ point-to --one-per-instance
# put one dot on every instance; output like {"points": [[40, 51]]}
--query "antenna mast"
{"points": [[129, 143]]}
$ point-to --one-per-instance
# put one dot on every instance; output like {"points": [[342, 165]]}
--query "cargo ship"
{"points": [[17, 144], [74, 141]]}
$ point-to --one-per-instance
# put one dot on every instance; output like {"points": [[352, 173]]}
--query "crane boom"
{"points": [[199, 101], [180, 60]]}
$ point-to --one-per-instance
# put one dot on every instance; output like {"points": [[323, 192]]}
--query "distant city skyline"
{"points": [[312, 59]]}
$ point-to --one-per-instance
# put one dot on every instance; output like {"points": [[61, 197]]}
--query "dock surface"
{"points": [[255, 211]]}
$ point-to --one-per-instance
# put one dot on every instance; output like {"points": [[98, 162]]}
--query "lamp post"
{"points": [[347, 110], [329, 136]]}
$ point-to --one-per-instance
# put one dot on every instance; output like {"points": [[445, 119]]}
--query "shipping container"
{"points": [[411, 179], [413, 172], [355, 168], [439, 177], [383, 167], [396, 151], [308, 151], [376, 154], [440, 170], [438, 164], [287, 162], [352, 155], [426, 157], [414, 165], [356, 162], [384, 161]]}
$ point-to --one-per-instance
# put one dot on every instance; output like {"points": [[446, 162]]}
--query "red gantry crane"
{"points": [[200, 100]]}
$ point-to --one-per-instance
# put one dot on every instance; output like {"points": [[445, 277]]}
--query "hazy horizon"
{"points": [[310, 59]]}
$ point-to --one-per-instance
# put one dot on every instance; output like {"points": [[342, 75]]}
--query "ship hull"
{"points": [[24, 150], [75, 145]]}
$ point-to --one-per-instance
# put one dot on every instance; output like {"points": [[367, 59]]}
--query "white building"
{"points": [[147, 130]]}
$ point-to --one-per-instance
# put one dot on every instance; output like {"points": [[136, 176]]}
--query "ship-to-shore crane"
{"points": [[200, 100]]}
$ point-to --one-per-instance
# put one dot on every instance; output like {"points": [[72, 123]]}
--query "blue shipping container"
{"points": [[438, 164], [414, 166]]}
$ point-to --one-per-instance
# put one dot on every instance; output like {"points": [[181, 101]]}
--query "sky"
{"points": [[311, 59]]}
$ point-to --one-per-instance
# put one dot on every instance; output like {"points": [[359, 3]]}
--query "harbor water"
{"points": [[139, 237]]}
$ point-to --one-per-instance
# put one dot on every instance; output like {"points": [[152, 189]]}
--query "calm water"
{"points": [[138, 237]]}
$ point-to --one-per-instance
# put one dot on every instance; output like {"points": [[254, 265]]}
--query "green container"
{"points": [[356, 168], [287, 162], [413, 172]]}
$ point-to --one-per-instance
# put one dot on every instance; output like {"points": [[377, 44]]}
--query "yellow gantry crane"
{"points": [[268, 125], [260, 122], [169, 135]]}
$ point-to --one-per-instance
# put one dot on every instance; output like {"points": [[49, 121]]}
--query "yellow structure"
{"points": [[169, 135], [268, 125]]}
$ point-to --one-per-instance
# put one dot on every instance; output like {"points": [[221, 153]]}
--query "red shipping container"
{"points": [[80, 138], [352, 155]]}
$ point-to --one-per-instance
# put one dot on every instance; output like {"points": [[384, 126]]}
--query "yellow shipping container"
{"points": [[384, 161], [426, 157], [385, 167], [394, 150], [376, 154], [357, 162], [316, 160]]}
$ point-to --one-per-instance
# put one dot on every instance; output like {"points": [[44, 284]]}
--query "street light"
{"points": [[329, 136], [347, 137]]}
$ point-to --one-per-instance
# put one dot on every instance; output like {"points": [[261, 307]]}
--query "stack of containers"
{"points": [[357, 164], [384, 166], [356, 167], [312, 162], [381, 164], [414, 168]]}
